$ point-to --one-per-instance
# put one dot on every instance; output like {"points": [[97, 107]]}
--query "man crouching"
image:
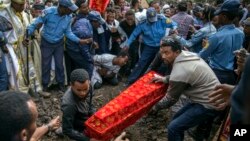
{"points": [[192, 77], [77, 105]]}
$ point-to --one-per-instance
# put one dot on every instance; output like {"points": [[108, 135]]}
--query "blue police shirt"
{"points": [[152, 33], [195, 43], [221, 47], [55, 26]]}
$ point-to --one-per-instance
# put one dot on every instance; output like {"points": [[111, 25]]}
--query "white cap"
{"points": [[166, 6]]}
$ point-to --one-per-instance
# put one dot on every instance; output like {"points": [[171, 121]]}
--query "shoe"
{"points": [[45, 89], [33, 95], [44, 94], [119, 77], [97, 85], [62, 89], [114, 81]]}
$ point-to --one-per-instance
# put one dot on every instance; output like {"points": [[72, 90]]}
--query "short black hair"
{"points": [[116, 2], [79, 2], [38, 6], [151, 4], [111, 10], [15, 114], [208, 13], [190, 2], [116, 7], [122, 54], [55, 3], [48, 1], [79, 75], [172, 42], [130, 13], [182, 6], [133, 2]]}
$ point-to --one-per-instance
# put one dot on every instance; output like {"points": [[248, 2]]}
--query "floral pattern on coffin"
{"points": [[125, 109]]}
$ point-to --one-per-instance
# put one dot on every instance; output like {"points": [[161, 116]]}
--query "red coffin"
{"points": [[98, 5], [125, 109]]}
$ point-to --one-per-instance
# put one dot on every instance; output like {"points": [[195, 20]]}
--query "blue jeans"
{"points": [[48, 50], [3, 74], [189, 116], [147, 56]]}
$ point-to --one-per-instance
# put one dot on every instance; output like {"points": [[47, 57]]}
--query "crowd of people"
{"points": [[200, 49]]}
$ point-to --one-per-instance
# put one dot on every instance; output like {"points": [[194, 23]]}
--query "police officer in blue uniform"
{"points": [[152, 30], [56, 23], [80, 55], [221, 45]]}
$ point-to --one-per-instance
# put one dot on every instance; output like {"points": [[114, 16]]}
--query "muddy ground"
{"points": [[146, 129]]}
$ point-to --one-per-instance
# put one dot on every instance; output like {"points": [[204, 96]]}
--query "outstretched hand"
{"points": [[122, 137], [55, 123], [220, 97], [159, 79]]}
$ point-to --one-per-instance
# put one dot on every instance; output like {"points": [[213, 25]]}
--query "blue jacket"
{"points": [[55, 26], [221, 47], [102, 39], [152, 33], [82, 28], [195, 43]]}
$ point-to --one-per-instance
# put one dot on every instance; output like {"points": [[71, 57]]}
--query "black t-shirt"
{"points": [[127, 28]]}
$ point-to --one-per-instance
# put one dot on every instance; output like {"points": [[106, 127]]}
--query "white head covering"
{"points": [[166, 6]]}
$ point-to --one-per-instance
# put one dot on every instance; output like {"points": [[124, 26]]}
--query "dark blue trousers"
{"points": [[189, 116], [147, 56], [228, 77], [48, 50], [133, 54], [3, 74]]}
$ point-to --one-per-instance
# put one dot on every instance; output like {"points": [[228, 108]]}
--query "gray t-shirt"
{"points": [[106, 61]]}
